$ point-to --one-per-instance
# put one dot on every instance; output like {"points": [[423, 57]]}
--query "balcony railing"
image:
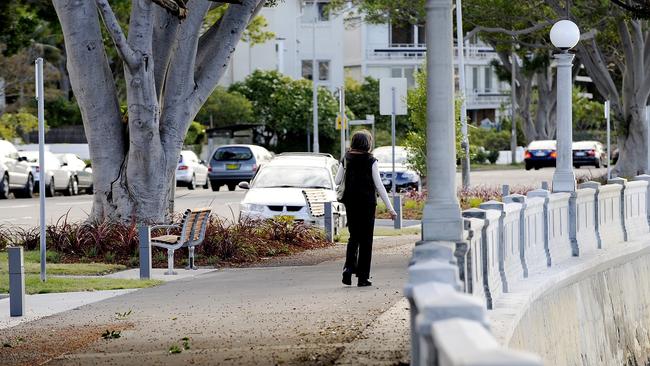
{"points": [[398, 51], [477, 99]]}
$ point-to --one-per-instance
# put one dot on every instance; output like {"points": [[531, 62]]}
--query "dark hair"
{"points": [[361, 141]]}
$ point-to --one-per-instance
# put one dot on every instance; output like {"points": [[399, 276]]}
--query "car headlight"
{"points": [[252, 207]]}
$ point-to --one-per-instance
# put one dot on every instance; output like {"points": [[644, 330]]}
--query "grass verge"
{"points": [[33, 284]]}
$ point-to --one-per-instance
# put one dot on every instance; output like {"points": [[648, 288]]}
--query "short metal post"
{"points": [[397, 203], [191, 265], [144, 233], [16, 281], [329, 222], [545, 185], [505, 190]]}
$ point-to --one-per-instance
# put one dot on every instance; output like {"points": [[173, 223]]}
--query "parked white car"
{"points": [[191, 171], [82, 172], [15, 174], [406, 178], [57, 179], [277, 188]]}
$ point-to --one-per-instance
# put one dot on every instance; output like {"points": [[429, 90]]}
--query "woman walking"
{"points": [[360, 175]]}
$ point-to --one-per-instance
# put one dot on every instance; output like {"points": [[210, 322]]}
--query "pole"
{"points": [[315, 76], [342, 116], [465, 163], [564, 179], [441, 217], [41, 159], [609, 144], [647, 121], [392, 136], [513, 107]]}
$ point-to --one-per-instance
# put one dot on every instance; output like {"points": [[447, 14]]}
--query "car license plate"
{"points": [[286, 218], [386, 182], [540, 153], [580, 154], [232, 166]]}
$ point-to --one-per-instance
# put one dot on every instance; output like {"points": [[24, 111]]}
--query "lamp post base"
{"points": [[564, 181], [442, 223]]}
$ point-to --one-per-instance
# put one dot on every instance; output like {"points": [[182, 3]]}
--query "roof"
{"points": [[585, 144], [301, 160]]}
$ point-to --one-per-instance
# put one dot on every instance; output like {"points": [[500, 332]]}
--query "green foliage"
{"points": [[416, 138], [256, 31], [62, 112], [587, 114], [225, 108], [284, 107], [14, 125], [195, 134]]}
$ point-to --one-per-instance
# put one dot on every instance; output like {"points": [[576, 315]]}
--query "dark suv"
{"points": [[232, 164]]}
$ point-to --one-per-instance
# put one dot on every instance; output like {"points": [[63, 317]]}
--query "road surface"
{"points": [[24, 212]]}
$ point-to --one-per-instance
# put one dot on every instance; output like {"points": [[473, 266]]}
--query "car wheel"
{"points": [[207, 183], [232, 186], [529, 167], [597, 165], [192, 184], [50, 189], [215, 185], [28, 191], [536, 167], [576, 166], [89, 190], [4, 187]]}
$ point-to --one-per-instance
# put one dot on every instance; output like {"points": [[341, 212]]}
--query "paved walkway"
{"points": [[272, 315]]}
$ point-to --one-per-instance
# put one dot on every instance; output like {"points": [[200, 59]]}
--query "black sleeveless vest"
{"points": [[359, 186]]}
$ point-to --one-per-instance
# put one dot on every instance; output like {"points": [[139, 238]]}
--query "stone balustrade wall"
{"points": [[508, 243]]}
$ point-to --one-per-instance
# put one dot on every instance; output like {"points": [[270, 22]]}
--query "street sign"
{"points": [[339, 120], [386, 88]]}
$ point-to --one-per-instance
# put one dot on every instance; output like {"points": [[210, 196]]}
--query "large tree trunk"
{"points": [[170, 70], [3, 97], [545, 121]]}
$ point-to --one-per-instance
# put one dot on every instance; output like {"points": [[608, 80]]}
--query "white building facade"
{"points": [[384, 50], [291, 53]]}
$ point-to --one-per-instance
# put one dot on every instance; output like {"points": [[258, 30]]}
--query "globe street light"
{"points": [[564, 35]]}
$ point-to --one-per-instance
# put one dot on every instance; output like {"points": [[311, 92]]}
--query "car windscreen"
{"points": [[385, 156], [293, 177], [232, 153]]}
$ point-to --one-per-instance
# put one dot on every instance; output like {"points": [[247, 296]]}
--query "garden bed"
{"points": [[413, 202], [226, 243]]}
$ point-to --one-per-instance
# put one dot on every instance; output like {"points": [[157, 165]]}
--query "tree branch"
{"points": [[115, 31], [512, 33], [164, 40], [210, 69]]}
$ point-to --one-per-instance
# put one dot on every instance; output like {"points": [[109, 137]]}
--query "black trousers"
{"points": [[361, 224]]}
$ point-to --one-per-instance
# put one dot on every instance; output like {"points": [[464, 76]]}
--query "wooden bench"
{"points": [[316, 199], [192, 233]]}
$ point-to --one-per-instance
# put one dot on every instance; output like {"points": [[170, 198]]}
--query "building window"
{"points": [[308, 12], [422, 35], [323, 70], [406, 72], [401, 34], [488, 79], [475, 79]]}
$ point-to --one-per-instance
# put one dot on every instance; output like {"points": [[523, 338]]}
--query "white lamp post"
{"points": [[564, 35]]}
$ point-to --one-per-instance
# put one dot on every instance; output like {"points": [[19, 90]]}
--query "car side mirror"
{"points": [[244, 185], [64, 164], [22, 158], [88, 165], [202, 162]]}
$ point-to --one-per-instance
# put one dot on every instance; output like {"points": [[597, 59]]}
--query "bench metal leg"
{"points": [[170, 262], [191, 259]]}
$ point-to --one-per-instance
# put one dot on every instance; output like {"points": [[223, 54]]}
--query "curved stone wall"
{"points": [[600, 316]]}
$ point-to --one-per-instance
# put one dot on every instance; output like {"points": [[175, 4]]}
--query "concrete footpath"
{"points": [[296, 314]]}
